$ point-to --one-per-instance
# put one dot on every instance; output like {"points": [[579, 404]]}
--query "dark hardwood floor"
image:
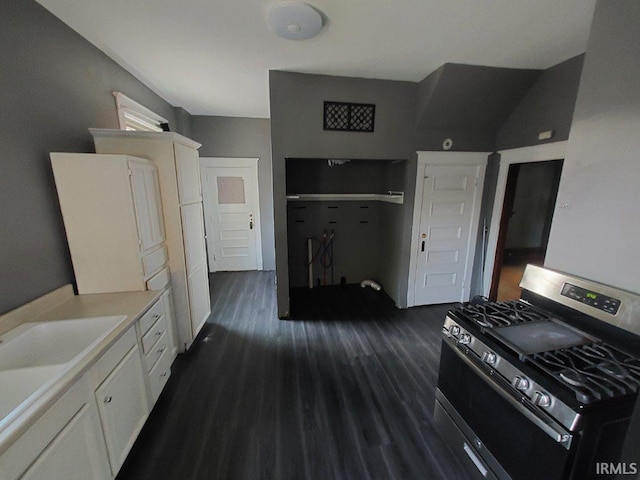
{"points": [[346, 391]]}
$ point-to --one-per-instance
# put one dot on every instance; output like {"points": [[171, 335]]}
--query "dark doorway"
{"points": [[525, 224]]}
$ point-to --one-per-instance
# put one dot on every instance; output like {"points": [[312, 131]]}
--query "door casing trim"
{"points": [[535, 153]]}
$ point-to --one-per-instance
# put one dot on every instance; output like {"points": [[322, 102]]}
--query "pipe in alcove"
{"points": [[310, 260], [370, 283], [324, 254]]}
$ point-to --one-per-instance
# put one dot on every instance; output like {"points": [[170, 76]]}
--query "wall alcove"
{"points": [[351, 211]]}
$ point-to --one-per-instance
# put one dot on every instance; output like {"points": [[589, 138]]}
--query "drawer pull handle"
{"points": [[163, 374], [160, 350], [476, 461], [108, 399], [158, 333], [156, 316]]}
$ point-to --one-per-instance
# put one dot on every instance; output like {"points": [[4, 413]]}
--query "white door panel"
{"points": [[449, 203], [231, 204]]}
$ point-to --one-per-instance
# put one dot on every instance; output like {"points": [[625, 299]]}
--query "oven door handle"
{"points": [[549, 427]]}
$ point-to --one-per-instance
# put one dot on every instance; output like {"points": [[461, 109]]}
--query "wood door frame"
{"points": [[535, 153], [441, 159], [235, 162], [507, 211]]}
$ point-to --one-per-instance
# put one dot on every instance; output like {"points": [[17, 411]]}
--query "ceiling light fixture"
{"points": [[294, 20]]}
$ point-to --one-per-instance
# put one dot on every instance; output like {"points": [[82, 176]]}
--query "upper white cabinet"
{"points": [[146, 200], [112, 215], [188, 171], [176, 158]]}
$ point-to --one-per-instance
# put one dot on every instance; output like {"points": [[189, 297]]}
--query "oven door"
{"points": [[524, 442]]}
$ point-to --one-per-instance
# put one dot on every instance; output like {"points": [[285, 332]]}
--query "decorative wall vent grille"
{"points": [[349, 117]]}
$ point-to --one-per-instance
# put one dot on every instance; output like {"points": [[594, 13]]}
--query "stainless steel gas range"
{"points": [[542, 387]]}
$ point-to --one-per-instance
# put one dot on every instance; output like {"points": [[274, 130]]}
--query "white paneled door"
{"points": [[230, 193], [447, 233]]}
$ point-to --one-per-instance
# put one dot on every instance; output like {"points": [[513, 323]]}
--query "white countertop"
{"points": [[130, 304]]}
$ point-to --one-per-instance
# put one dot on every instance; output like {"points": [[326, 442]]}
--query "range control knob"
{"points": [[465, 339], [454, 330], [490, 358], [541, 399], [520, 383]]}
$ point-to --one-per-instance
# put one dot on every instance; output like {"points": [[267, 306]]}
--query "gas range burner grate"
{"points": [[501, 314], [593, 372]]}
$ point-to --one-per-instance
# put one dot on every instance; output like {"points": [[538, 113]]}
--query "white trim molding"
{"points": [[432, 159], [135, 116], [535, 153]]}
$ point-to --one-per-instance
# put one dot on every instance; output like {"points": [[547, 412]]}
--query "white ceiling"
{"points": [[212, 57]]}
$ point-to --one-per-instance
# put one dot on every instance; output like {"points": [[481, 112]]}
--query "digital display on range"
{"points": [[593, 299]]}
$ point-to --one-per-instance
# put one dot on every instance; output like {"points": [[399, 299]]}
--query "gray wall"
{"points": [[548, 105], [243, 137], [297, 132], [54, 85], [596, 234], [468, 103]]}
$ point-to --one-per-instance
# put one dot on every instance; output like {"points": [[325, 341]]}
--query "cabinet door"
{"points": [[122, 403], [76, 453], [193, 236], [146, 199], [167, 300], [188, 172], [199, 298]]}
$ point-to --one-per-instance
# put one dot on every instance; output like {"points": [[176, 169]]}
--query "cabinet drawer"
{"points": [[156, 352], [150, 338], [160, 280], [159, 375], [152, 262], [151, 317]]}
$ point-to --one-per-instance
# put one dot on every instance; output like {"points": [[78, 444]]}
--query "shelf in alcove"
{"points": [[391, 197]]}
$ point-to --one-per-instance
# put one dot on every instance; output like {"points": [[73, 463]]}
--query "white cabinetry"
{"points": [[66, 443], [88, 432], [154, 332], [112, 216], [118, 384], [176, 158], [72, 455], [123, 407]]}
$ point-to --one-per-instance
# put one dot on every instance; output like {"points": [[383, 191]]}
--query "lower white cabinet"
{"points": [[66, 443], [76, 453], [123, 407]]}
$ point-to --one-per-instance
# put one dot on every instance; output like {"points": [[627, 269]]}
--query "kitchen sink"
{"points": [[35, 354], [38, 344], [17, 385]]}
